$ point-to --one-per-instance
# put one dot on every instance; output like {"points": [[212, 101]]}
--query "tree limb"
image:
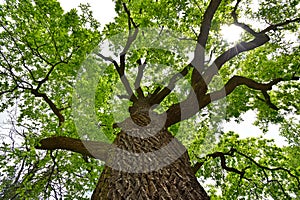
{"points": [[199, 54], [267, 100], [221, 155], [19, 50], [275, 26], [231, 152], [206, 22], [242, 25], [137, 83], [240, 80], [213, 69], [122, 76], [260, 39], [193, 103], [160, 95], [91, 149], [53, 107], [130, 40], [270, 169]]}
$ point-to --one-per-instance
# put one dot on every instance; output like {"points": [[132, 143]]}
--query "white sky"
{"points": [[103, 10]]}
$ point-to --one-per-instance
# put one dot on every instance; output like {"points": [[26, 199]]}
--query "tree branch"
{"points": [[8, 91], [19, 50], [91, 149], [187, 109], [270, 169], [240, 80], [130, 40], [53, 107], [221, 155], [275, 26], [121, 75], [199, 54], [137, 83], [109, 59], [259, 40], [231, 152], [190, 106], [206, 22], [267, 100], [160, 95], [243, 26], [17, 79]]}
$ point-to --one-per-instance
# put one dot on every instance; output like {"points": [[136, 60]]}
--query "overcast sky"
{"points": [[103, 10]]}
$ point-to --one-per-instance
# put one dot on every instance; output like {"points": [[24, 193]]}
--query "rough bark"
{"points": [[166, 174]]}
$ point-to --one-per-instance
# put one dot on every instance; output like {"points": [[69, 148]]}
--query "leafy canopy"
{"points": [[42, 49]]}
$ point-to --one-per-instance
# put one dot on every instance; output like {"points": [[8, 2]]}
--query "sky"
{"points": [[104, 12]]}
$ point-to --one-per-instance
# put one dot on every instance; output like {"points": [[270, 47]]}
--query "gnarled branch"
{"points": [[240, 80], [221, 155], [231, 152]]}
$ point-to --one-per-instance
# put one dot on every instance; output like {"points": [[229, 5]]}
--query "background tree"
{"points": [[42, 49]]}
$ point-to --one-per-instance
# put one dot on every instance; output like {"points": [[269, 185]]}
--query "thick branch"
{"points": [[199, 54], [190, 106], [240, 80], [137, 83], [259, 40], [92, 149], [206, 23], [185, 109], [159, 96]]}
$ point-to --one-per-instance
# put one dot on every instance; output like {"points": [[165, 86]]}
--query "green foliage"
{"points": [[43, 47], [268, 170]]}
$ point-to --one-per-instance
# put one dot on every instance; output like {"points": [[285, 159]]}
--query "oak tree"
{"points": [[134, 111]]}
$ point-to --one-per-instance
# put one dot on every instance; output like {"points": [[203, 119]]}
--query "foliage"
{"points": [[43, 47], [41, 50]]}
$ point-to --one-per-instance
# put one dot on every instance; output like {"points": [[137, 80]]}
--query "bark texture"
{"points": [[154, 165]]}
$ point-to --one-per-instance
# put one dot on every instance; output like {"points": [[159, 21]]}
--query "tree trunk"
{"points": [[138, 173]]}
